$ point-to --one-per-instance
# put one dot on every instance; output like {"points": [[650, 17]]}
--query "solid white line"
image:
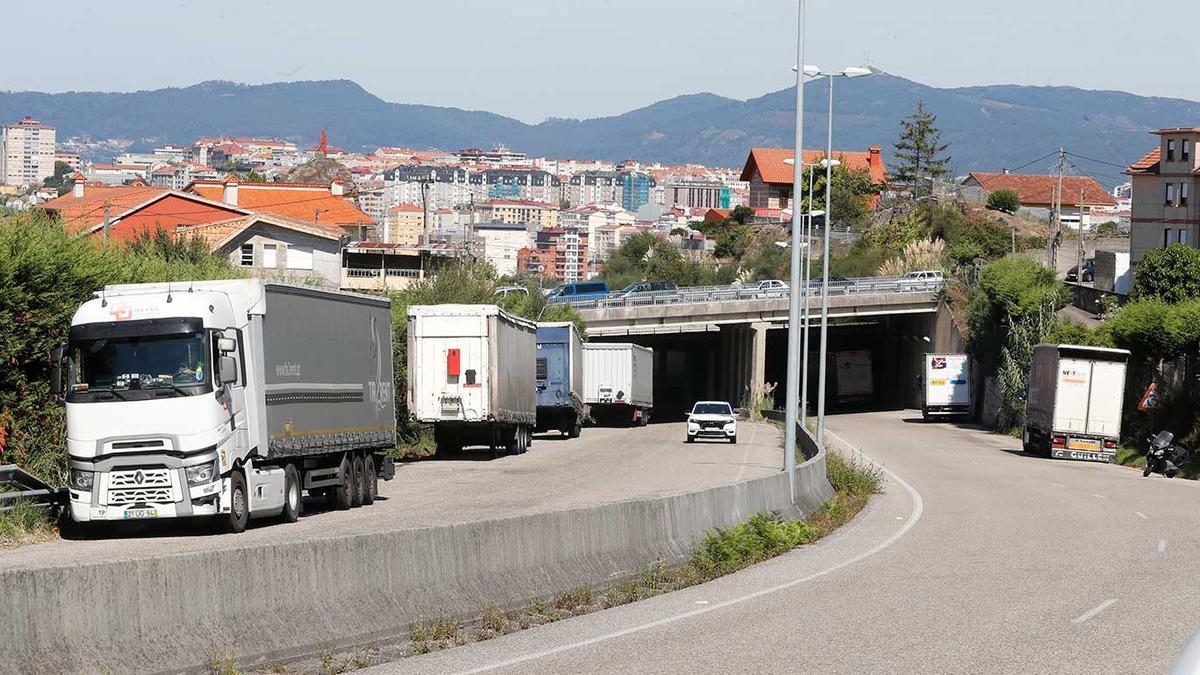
{"points": [[1162, 545], [1093, 611], [1099, 496], [1142, 515], [918, 508], [1058, 485]]}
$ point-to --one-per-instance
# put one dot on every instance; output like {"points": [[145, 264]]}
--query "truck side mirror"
{"points": [[227, 370], [226, 345], [56, 378]]}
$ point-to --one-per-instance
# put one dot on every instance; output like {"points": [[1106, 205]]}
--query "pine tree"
{"points": [[919, 151]]}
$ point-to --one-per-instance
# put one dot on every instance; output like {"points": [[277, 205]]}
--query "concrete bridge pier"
{"points": [[743, 360]]}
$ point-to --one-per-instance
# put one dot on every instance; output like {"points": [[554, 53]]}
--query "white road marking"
{"points": [[701, 602], [1058, 485], [1142, 515], [1093, 611], [1099, 496], [918, 508], [1162, 545]]}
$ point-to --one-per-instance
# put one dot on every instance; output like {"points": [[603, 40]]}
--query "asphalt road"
{"points": [[603, 465], [977, 558]]}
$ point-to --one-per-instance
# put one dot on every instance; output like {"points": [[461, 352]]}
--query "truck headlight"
{"points": [[202, 473], [81, 480]]}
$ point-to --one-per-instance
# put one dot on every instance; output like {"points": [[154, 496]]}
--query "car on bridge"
{"points": [[770, 288], [646, 287], [921, 279], [578, 290], [712, 419]]}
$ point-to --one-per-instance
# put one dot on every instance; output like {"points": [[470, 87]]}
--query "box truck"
{"points": [[853, 376], [618, 379], [1073, 410], [471, 376], [560, 405], [947, 385], [225, 399]]}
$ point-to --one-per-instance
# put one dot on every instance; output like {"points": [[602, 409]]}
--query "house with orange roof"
{"points": [[770, 172], [276, 247], [308, 202], [1164, 208], [1080, 194]]}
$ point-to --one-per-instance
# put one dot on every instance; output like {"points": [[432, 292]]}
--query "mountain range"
{"points": [[988, 128]]}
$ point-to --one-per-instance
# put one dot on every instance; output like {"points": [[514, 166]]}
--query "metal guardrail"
{"points": [[698, 294], [20, 485]]}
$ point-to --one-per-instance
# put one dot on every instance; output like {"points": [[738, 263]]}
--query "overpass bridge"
{"points": [[723, 341]]}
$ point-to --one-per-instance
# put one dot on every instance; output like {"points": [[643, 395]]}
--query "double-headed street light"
{"points": [[793, 360]]}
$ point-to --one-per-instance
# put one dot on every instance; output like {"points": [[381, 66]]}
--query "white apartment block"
{"points": [[26, 152]]}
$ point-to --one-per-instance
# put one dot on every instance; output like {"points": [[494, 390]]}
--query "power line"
{"points": [[1043, 157], [1098, 161]]}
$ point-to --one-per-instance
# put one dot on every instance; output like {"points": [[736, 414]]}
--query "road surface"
{"points": [[603, 465], [977, 558]]}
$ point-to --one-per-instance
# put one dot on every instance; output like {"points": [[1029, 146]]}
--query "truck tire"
{"points": [[293, 499], [371, 484], [360, 481], [528, 438], [239, 504], [576, 430], [644, 418], [339, 496]]}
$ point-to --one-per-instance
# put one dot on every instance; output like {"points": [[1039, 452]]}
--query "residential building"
{"points": [[277, 248], [404, 225], [696, 193], [1165, 208], [26, 152], [636, 189], [1037, 195], [542, 214], [117, 174], [557, 253], [307, 202], [502, 241], [372, 200], [499, 154], [594, 187], [518, 183], [374, 265], [71, 159], [442, 186], [770, 172], [590, 219]]}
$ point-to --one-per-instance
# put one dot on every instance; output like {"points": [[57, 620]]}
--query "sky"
{"points": [[533, 59]]}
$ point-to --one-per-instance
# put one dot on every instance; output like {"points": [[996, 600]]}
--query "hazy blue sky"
{"points": [[533, 59]]}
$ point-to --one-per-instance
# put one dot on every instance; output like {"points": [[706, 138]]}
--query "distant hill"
{"points": [[988, 127]]}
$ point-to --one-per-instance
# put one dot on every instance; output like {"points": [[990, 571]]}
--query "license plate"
{"points": [[1083, 444], [132, 514]]}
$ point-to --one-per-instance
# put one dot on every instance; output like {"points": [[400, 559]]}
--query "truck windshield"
{"points": [[176, 362], [712, 409]]}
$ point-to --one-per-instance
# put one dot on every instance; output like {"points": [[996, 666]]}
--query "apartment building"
{"points": [[26, 152], [518, 183], [594, 187], [1164, 207], [542, 214], [404, 225], [591, 219], [502, 242], [558, 253], [689, 193]]}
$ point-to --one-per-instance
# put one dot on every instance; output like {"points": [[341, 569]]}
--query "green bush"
{"points": [[1171, 274], [1108, 228], [1007, 201]]}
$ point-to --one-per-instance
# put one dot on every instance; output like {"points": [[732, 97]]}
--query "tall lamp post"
{"points": [[793, 362], [805, 274], [813, 71]]}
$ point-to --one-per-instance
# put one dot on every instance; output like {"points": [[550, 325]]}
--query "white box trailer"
{"points": [[471, 375], [225, 399], [853, 375], [947, 381], [1074, 406], [618, 382]]}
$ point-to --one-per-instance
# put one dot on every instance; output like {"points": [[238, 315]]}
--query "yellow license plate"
{"points": [[1083, 445]]}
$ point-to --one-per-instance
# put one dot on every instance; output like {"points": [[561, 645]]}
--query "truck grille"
{"points": [[140, 496], [139, 478]]}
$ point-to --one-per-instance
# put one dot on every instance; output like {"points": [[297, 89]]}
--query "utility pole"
{"points": [[1057, 229], [1079, 249], [104, 236], [470, 229]]}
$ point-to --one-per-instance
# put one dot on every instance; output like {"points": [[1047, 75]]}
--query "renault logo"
{"points": [[139, 477]]}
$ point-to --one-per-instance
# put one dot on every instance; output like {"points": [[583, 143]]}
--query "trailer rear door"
{"points": [[451, 365], [1107, 391], [1072, 394]]}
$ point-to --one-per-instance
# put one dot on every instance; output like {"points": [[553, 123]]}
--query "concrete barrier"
{"points": [[267, 603]]}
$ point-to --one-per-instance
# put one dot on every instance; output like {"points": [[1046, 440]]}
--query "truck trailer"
{"points": [[560, 403], [471, 376], [1073, 410], [854, 379], [618, 382], [947, 385], [225, 399]]}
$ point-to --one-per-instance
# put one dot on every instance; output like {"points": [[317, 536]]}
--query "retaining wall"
{"points": [[265, 603]]}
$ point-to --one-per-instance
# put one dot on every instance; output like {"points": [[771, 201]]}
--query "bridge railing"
{"points": [[699, 294]]}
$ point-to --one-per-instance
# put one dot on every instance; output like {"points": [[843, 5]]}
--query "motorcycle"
{"points": [[1163, 456]]}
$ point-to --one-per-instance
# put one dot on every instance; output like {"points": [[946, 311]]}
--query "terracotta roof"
{"points": [[406, 208], [1147, 164], [1176, 130], [217, 234], [299, 201], [769, 163], [83, 213], [1039, 190]]}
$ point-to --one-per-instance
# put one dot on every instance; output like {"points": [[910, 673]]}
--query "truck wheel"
{"points": [[528, 438], [576, 430], [339, 496], [293, 502], [239, 504], [644, 418], [360, 481]]}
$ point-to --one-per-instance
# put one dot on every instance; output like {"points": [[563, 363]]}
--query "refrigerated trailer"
{"points": [[471, 376], [560, 405], [618, 382], [1073, 410], [947, 385], [225, 399]]}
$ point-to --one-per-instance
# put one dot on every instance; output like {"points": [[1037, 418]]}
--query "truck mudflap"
{"points": [[387, 468]]}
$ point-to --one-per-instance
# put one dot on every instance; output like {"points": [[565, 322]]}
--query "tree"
{"points": [[61, 180], [919, 151], [255, 177], [1007, 201], [1171, 274], [741, 214], [733, 242]]}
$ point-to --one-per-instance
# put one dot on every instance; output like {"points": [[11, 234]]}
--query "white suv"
{"points": [[712, 419]]}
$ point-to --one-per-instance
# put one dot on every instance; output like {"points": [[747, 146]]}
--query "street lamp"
{"points": [[814, 71], [793, 362]]}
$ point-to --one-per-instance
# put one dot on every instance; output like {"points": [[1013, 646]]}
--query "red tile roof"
{"points": [[309, 202], [1147, 164], [406, 208], [769, 163], [83, 213], [1039, 190], [218, 233]]}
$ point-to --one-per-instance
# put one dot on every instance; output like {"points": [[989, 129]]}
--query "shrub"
{"points": [[1171, 274], [1108, 228], [1007, 201]]}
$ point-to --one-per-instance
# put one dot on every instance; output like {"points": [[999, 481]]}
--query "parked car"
{"points": [[647, 287], [505, 291], [579, 290], [712, 419], [1089, 271], [770, 288]]}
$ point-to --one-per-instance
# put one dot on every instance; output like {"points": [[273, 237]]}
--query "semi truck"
{"points": [[559, 373], [618, 382], [225, 399], [1073, 410], [947, 381], [471, 376]]}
